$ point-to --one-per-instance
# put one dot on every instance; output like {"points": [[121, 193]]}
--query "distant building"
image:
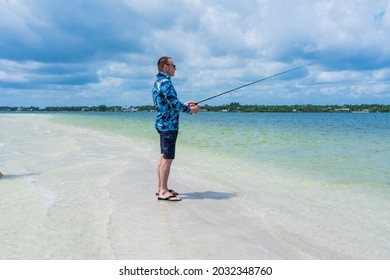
{"points": [[342, 109], [129, 109]]}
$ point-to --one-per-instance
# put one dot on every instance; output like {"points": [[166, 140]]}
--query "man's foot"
{"points": [[171, 191], [170, 198]]}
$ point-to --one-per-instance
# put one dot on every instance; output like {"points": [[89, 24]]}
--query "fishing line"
{"points": [[263, 79]]}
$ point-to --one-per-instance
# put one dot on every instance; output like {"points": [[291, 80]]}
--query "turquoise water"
{"points": [[336, 147], [341, 147]]}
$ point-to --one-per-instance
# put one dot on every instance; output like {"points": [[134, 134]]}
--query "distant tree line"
{"points": [[232, 107], [100, 108], [237, 107]]}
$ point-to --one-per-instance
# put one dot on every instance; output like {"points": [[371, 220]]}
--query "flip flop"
{"points": [[168, 198], [172, 192]]}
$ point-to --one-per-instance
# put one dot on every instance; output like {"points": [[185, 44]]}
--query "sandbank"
{"points": [[76, 193]]}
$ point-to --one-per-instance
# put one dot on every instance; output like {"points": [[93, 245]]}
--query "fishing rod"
{"points": [[266, 78]]}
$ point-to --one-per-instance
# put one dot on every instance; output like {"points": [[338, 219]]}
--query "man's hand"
{"points": [[193, 107]]}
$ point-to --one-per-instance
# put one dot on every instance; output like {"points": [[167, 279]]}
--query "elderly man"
{"points": [[168, 109]]}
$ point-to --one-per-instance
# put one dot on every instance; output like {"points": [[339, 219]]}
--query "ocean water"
{"points": [[319, 177], [334, 147]]}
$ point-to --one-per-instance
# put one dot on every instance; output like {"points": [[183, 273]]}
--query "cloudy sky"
{"points": [[93, 52]]}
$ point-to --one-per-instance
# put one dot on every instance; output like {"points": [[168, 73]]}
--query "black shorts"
{"points": [[168, 143]]}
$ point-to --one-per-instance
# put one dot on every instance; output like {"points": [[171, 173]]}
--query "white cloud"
{"points": [[339, 76], [382, 74]]}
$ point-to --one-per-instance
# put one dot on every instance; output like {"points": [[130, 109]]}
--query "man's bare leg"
{"points": [[163, 170], [158, 175]]}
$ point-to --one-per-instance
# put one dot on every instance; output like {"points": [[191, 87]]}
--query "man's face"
{"points": [[170, 68]]}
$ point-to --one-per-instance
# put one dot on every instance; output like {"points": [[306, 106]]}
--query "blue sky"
{"points": [[92, 52]]}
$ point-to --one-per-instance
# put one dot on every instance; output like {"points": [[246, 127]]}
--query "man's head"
{"points": [[165, 64]]}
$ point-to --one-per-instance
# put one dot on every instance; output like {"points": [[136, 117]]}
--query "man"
{"points": [[168, 108]]}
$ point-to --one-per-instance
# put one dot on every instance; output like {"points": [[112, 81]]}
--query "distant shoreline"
{"points": [[232, 107]]}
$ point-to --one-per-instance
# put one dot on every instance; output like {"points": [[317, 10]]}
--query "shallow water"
{"points": [[349, 148], [323, 176], [318, 183]]}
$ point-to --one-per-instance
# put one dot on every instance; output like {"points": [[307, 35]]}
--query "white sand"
{"points": [[74, 193]]}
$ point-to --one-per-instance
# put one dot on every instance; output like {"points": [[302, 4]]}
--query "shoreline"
{"points": [[75, 193]]}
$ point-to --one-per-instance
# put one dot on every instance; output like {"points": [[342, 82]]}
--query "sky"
{"points": [[94, 52]]}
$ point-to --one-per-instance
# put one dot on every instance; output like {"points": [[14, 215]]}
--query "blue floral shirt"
{"points": [[167, 104]]}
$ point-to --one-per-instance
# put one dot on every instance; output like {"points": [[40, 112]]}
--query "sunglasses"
{"points": [[174, 66]]}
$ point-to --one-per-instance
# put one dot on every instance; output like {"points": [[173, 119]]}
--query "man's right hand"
{"points": [[194, 108]]}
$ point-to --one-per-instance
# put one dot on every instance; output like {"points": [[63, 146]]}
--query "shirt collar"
{"points": [[163, 75]]}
